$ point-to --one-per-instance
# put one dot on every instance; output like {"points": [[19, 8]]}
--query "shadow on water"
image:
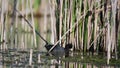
{"points": [[20, 59]]}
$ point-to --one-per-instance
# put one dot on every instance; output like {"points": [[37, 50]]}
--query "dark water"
{"points": [[14, 58]]}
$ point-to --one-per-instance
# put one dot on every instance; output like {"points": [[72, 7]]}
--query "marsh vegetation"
{"points": [[90, 28]]}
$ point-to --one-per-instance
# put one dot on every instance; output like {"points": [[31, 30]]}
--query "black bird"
{"points": [[59, 51]]}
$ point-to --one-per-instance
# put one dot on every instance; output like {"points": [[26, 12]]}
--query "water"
{"points": [[14, 58]]}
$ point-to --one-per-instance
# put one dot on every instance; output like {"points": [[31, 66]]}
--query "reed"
{"points": [[53, 20], [84, 23], [34, 34]]}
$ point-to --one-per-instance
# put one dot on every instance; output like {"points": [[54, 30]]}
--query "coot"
{"points": [[58, 51]]}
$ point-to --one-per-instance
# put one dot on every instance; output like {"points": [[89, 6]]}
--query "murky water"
{"points": [[14, 58]]}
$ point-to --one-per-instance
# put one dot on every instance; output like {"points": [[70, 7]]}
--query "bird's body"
{"points": [[58, 51]]}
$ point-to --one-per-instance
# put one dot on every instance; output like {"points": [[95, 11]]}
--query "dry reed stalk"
{"points": [[22, 25], [61, 16], [95, 28], [108, 38], [65, 19], [108, 44], [33, 24], [25, 24], [2, 23], [113, 33], [30, 59], [89, 25], [53, 20], [113, 24], [0, 18], [28, 37], [5, 23], [69, 20], [45, 21], [67, 23], [1, 26], [39, 58], [77, 30], [12, 27], [42, 9], [16, 27]]}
